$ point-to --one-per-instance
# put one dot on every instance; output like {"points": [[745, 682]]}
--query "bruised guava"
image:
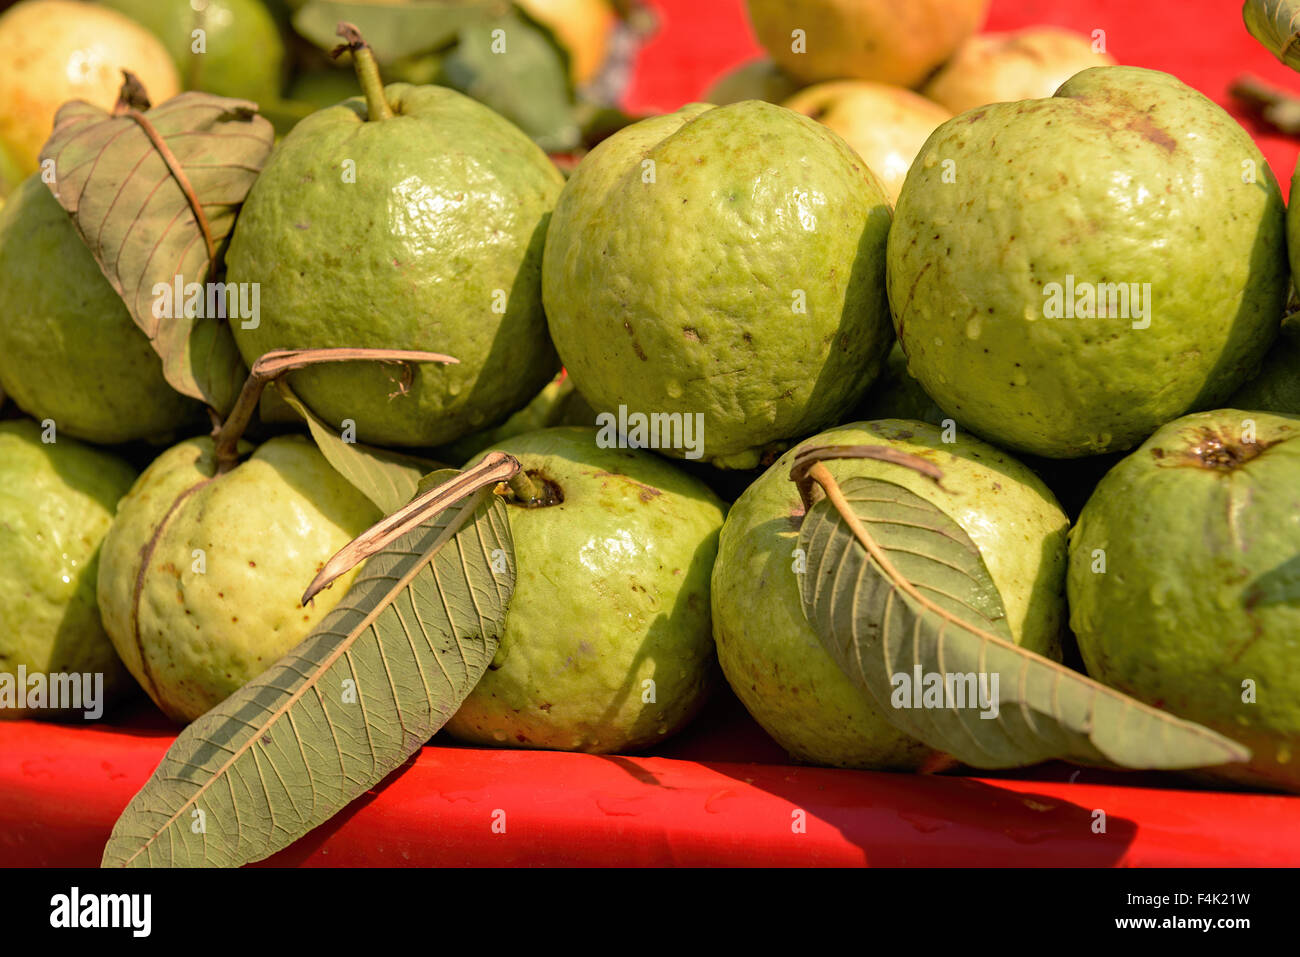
{"points": [[1068, 274], [725, 262], [1184, 582], [606, 645], [57, 501], [201, 573], [774, 659]]}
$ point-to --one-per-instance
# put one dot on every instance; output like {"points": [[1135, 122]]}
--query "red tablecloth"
{"points": [[722, 793]]}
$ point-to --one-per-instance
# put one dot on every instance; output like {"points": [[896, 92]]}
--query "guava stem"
{"points": [[363, 61], [525, 488], [275, 364]]}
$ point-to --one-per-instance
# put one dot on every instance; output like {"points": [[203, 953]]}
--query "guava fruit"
{"points": [[419, 230], [771, 655], [582, 27], [1068, 274], [201, 573], [1002, 67], [59, 50], [759, 79], [1184, 582], [883, 40], [241, 56], [69, 350], [606, 645], [57, 500], [885, 125], [1276, 387], [723, 263]]}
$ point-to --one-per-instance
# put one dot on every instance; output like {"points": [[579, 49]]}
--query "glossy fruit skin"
{"points": [[1193, 600], [882, 40], [1002, 67], [194, 626], [57, 501], [69, 350], [771, 655], [58, 50], [1125, 176], [745, 283], [612, 592], [444, 224], [243, 55]]}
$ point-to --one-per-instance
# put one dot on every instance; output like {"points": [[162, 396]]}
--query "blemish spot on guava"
{"points": [[692, 334]]}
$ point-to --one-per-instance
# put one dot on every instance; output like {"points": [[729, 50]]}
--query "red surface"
{"points": [[1202, 42], [718, 795], [721, 793]]}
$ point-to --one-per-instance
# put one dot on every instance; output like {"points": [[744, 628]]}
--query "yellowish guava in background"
{"points": [[59, 50], [889, 41]]}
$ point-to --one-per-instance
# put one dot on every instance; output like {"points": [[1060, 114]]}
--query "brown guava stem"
{"points": [[363, 61], [131, 95], [807, 459], [275, 364], [525, 488], [496, 467]]}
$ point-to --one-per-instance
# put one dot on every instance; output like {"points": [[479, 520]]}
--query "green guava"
{"points": [[201, 574], [423, 230], [1276, 388], [1019, 221], [57, 501], [241, 53], [726, 262], [1184, 582], [69, 350], [771, 655], [606, 645]]}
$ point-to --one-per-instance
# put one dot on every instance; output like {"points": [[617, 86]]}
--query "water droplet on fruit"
{"points": [[454, 387], [1018, 378], [973, 327], [938, 342], [499, 735], [673, 389]]}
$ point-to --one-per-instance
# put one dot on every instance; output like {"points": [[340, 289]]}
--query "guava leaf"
{"points": [[393, 29], [381, 674], [132, 182], [924, 599], [1275, 24], [387, 478], [516, 69]]}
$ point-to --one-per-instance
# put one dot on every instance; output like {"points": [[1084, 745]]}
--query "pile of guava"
{"points": [[1038, 296]]}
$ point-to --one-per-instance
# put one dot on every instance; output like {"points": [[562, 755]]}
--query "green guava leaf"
{"points": [[393, 29], [381, 674], [932, 605], [1275, 24], [134, 182], [516, 69], [387, 478]]}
